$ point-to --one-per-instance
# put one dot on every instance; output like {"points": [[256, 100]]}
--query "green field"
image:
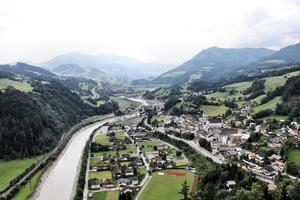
{"points": [[275, 81], [107, 195], [240, 86], [269, 105], [100, 175], [277, 117], [104, 140], [128, 122], [294, 156], [213, 110], [160, 118], [166, 187], [130, 148], [148, 146], [125, 103], [29, 188], [19, 85], [11, 169]]}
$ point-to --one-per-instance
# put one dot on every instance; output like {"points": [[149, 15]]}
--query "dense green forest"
{"points": [[32, 123]]}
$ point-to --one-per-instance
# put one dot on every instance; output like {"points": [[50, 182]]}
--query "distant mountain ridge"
{"points": [[111, 65], [211, 63]]}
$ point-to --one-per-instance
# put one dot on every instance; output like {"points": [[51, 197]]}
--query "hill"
{"points": [[212, 63], [69, 69], [31, 123], [27, 70], [289, 54]]}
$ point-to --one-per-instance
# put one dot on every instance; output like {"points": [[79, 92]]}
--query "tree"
{"points": [[185, 191]]}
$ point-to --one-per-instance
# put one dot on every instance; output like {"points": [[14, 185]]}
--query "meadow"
{"points": [[11, 169], [125, 103], [213, 110], [293, 156], [19, 85]]}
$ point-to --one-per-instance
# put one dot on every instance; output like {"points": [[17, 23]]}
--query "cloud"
{"points": [[160, 31]]}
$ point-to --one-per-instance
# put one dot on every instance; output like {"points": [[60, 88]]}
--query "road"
{"points": [[95, 94], [203, 151]]}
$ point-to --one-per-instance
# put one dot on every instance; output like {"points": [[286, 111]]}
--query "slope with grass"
{"points": [[269, 105], [19, 85], [213, 110]]}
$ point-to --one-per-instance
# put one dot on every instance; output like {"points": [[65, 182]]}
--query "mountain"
{"points": [[211, 63], [289, 54], [112, 65], [31, 123], [69, 69], [27, 70]]}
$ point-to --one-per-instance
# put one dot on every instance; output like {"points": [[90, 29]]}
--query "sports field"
{"points": [[100, 175], [166, 185]]}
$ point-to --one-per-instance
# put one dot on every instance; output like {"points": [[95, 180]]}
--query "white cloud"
{"points": [[156, 30]]}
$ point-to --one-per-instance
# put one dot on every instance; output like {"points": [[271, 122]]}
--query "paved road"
{"points": [[203, 151]]}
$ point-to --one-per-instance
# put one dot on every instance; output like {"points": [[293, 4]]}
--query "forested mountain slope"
{"points": [[32, 123]]}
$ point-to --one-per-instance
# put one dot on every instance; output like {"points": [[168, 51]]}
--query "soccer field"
{"points": [[166, 185]]}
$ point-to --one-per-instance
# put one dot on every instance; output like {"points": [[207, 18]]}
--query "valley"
{"points": [[68, 135]]}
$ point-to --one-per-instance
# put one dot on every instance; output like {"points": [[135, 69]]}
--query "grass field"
{"points": [[294, 156], [128, 122], [100, 175], [103, 139], [130, 148], [11, 169], [240, 86], [148, 146], [166, 187], [269, 105], [275, 81], [277, 117], [107, 195], [213, 110], [22, 86], [29, 188], [161, 118], [125, 103]]}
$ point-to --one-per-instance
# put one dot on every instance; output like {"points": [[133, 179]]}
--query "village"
{"points": [[254, 147]]}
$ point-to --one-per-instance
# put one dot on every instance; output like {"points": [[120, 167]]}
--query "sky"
{"points": [[165, 31]]}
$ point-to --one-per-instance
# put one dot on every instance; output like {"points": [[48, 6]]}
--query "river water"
{"points": [[59, 181]]}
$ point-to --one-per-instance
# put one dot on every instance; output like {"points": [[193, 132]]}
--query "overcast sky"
{"points": [[169, 31]]}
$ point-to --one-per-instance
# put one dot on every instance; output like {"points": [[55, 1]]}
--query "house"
{"points": [[259, 159], [230, 184], [275, 157], [269, 171], [129, 172]]}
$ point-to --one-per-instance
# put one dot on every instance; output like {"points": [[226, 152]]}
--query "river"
{"points": [[59, 181]]}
